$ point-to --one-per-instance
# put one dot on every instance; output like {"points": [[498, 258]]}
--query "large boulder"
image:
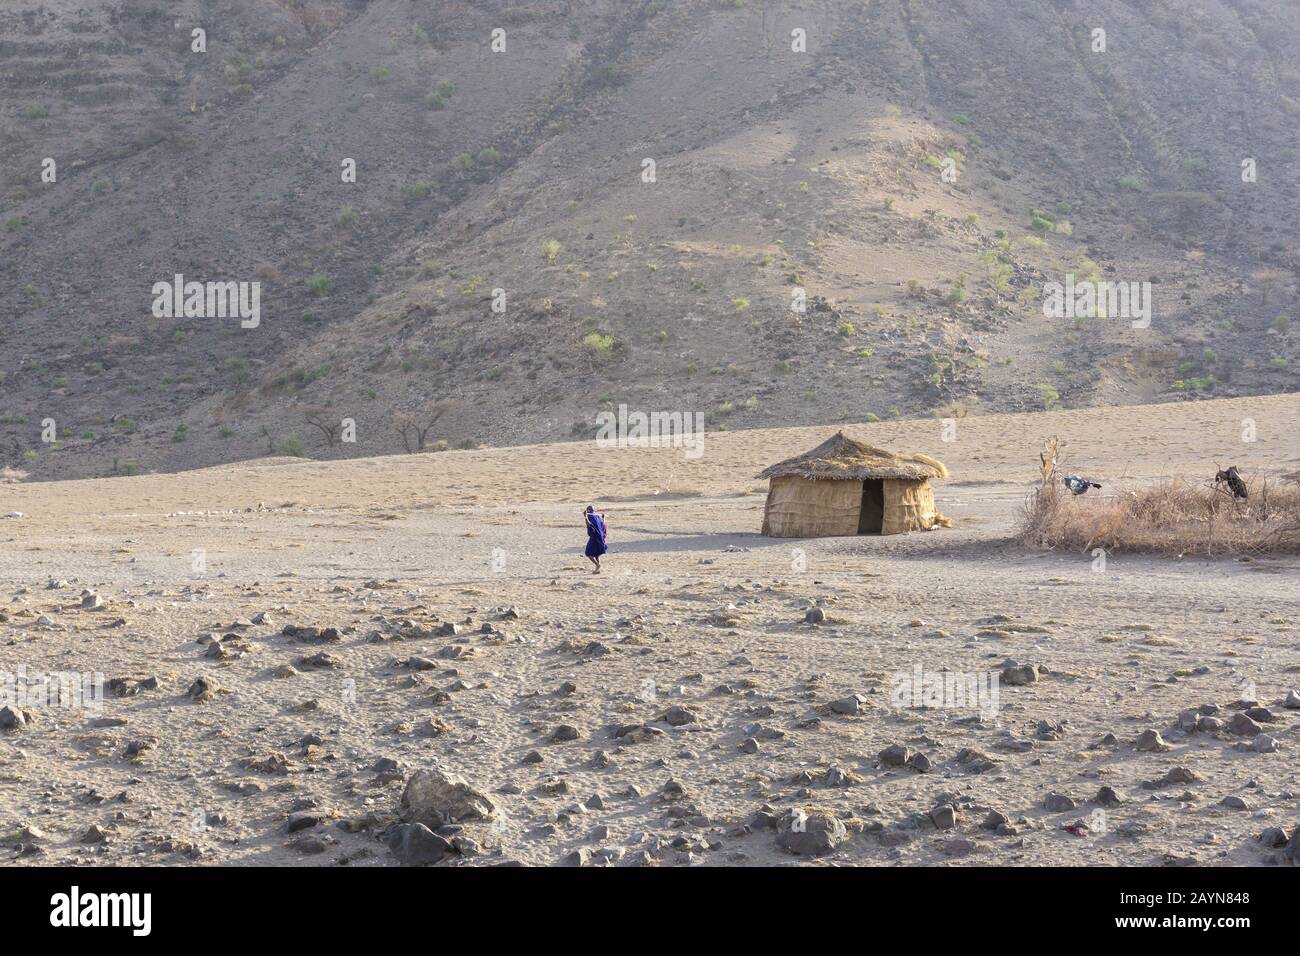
{"points": [[810, 834], [436, 798], [414, 844]]}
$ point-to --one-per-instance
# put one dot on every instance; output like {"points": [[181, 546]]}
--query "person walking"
{"points": [[597, 535]]}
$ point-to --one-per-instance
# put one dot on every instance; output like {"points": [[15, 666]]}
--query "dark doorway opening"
{"points": [[872, 516]]}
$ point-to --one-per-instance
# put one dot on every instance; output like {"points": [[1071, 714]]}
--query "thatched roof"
{"points": [[840, 458]]}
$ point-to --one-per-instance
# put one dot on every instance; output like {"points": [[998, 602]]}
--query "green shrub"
{"points": [[957, 294], [599, 344], [318, 283], [291, 446], [437, 100], [238, 370]]}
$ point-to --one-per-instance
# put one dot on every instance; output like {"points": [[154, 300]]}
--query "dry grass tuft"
{"points": [[11, 476], [1172, 517]]}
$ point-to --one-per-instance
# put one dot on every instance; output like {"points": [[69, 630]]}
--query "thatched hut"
{"points": [[846, 487]]}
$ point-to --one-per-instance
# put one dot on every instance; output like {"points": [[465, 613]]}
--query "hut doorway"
{"points": [[872, 517]]}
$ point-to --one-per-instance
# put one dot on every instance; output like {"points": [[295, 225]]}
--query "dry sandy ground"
{"points": [[694, 610]]}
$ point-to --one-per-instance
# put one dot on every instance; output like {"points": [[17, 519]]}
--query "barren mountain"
{"points": [[507, 263]]}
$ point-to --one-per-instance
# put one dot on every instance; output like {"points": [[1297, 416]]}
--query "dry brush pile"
{"points": [[1170, 517]]}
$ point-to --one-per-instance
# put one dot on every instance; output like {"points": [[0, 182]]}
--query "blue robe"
{"points": [[596, 535]]}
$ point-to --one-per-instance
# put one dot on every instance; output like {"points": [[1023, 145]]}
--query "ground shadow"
{"points": [[704, 541]]}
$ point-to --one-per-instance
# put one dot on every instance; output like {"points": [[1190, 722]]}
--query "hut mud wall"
{"points": [[799, 508], [909, 506]]}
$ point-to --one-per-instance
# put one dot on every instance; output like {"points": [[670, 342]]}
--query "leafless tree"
{"points": [[414, 426], [1268, 280], [322, 417]]}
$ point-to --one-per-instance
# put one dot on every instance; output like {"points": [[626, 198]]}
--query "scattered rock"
{"points": [[895, 755], [810, 834], [848, 705], [1019, 675], [1244, 726], [436, 798], [203, 689], [1058, 803], [414, 844], [1150, 741], [676, 716]]}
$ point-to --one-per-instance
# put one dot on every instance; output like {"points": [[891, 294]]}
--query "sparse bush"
{"points": [[1000, 277], [551, 249], [1132, 183], [956, 295], [611, 75], [238, 371], [318, 283], [437, 100], [291, 446], [417, 189], [1199, 383], [1049, 396]]}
